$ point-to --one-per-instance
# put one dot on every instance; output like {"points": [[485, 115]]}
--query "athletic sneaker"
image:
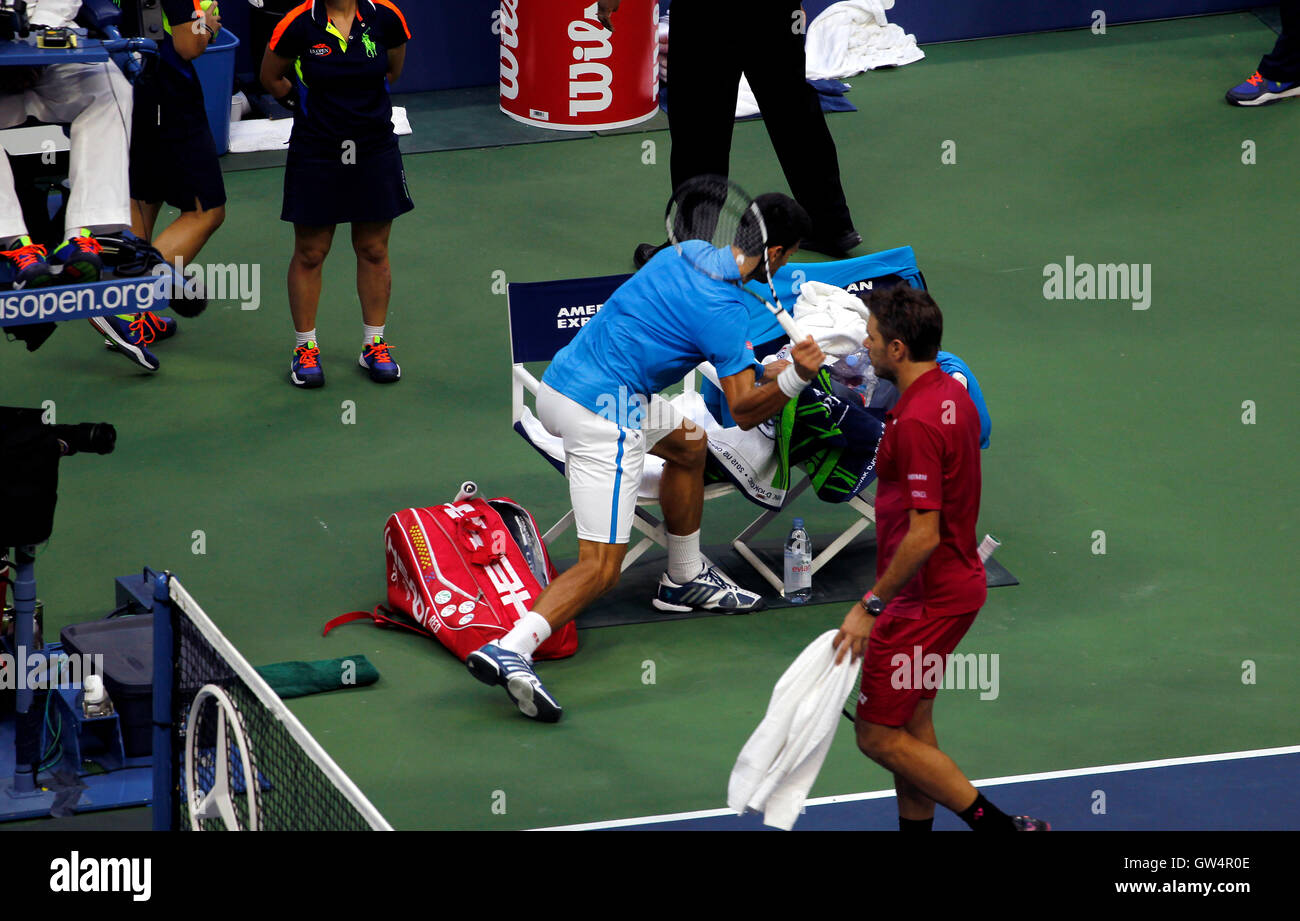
{"points": [[493, 665], [24, 266], [376, 359], [130, 337], [838, 244], [79, 257], [711, 590], [1257, 91], [1025, 823], [305, 370], [146, 329]]}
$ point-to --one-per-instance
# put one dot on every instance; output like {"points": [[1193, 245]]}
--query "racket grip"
{"points": [[468, 490], [988, 546], [789, 325]]}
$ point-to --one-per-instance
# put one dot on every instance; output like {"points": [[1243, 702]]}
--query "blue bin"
{"points": [[216, 69]]}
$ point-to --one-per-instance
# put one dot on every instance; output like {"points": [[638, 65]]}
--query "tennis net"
{"points": [[228, 753]]}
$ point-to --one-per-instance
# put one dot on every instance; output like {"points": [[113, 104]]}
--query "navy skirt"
{"points": [[328, 184]]}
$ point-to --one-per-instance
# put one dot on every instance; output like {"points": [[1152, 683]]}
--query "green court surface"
{"points": [[1099, 148]]}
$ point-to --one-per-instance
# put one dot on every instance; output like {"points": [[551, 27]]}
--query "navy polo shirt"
{"points": [[343, 85]]}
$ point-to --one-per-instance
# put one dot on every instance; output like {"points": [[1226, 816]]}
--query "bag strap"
{"points": [[379, 620]]}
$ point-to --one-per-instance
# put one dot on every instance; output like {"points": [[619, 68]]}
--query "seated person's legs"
{"points": [[96, 100]]}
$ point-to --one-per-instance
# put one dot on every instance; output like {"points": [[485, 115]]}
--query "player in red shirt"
{"points": [[929, 578]]}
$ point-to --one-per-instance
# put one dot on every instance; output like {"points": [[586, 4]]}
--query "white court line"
{"points": [[991, 782]]}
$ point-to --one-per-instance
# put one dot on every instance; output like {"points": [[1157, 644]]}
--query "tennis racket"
{"points": [[985, 550], [715, 210]]}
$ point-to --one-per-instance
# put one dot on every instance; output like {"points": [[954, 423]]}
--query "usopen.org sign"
{"points": [[55, 304]]}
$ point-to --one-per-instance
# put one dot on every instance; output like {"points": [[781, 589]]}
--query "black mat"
{"points": [[841, 581]]}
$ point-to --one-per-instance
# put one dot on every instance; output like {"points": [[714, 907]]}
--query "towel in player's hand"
{"points": [[779, 763]]}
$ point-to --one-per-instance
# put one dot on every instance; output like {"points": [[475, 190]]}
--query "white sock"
{"points": [[529, 632], [368, 334], [684, 560], [304, 338]]}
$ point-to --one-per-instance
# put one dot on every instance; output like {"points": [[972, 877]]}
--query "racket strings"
{"points": [[715, 211]]}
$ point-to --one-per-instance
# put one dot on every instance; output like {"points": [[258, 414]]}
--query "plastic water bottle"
{"points": [[855, 371], [798, 564]]}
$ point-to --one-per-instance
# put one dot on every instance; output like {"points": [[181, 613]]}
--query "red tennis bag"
{"points": [[466, 571]]}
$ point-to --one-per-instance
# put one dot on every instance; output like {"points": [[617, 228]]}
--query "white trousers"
{"points": [[96, 100]]}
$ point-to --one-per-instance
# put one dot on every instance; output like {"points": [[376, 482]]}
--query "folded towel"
{"points": [[298, 679], [273, 134]]}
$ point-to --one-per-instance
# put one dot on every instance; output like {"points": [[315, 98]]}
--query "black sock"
{"points": [[982, 815], [915, 824]]}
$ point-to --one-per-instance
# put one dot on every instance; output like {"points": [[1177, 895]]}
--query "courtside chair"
{"points": [[545, 316]]}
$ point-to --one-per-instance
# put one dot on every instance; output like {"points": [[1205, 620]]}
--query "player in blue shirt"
{"points": [[601, 396]]}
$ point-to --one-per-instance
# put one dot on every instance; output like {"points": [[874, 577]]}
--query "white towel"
{"points": [[267, 134], [836, 319], [854, 35], [781, 760]]}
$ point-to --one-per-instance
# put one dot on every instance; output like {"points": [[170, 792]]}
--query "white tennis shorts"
{"points": [[603, 461]]}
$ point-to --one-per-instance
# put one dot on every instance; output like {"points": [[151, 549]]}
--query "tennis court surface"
{"points": [[1176, 642]]}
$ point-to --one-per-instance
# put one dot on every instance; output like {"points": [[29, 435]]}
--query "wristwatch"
{"points": [[875, 607]]}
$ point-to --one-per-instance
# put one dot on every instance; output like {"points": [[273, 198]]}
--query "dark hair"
{"points": [[788, 224], [909, 315]]}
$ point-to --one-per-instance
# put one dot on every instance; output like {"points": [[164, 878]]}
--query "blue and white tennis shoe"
{"points": [[711, 590], [493, 665]]}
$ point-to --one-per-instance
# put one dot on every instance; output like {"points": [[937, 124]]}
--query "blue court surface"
{"points": [[1232, 791]]}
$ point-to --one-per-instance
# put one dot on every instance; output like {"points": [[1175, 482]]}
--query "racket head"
{"points": [[715, 210]]}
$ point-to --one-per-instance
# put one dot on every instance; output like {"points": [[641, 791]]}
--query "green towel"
{"points": [[298, 679]]}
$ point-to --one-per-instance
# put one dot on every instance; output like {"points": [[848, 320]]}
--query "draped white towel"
{"points": [[779, 763], [836, 319]]}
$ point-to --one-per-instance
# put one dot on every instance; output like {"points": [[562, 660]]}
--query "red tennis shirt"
{"points": [[929, 458]]}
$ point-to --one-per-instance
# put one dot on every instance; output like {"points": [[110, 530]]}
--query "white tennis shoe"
{"points": [[711, 590]]}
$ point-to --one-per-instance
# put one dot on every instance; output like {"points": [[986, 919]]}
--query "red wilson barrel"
{"points": [[560, 68]]}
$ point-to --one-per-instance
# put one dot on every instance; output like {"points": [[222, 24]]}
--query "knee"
{"points": [[691, 451], [373, 253], [876, 742], [608, 573], [310, 256], [214, 218]]}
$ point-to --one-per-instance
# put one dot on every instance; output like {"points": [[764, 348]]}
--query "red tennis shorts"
{"points": [[904, 664]]}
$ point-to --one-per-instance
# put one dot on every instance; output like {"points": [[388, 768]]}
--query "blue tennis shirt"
{"points": [[657, 326], [951, 364]]}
